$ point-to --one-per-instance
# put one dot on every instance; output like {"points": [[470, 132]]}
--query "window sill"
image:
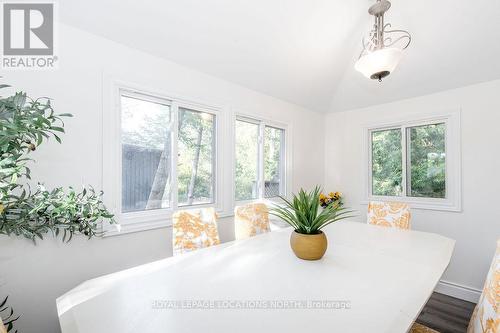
{"points": [[128, 228], [267, 201], [162, 218], [148, 220], [421, 204]]}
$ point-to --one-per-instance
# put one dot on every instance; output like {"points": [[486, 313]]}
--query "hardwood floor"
{"points": [[446, 314]]}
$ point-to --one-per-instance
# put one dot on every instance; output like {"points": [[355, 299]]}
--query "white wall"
{"points": [[34, 276], [477, 227]]}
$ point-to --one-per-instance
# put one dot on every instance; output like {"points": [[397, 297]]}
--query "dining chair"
{"points": [[194, 229], [419, 328], [250, 220], [486, 315], [389, 214]]}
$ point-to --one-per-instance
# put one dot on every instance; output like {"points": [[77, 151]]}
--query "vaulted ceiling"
{"points": [[303, 51]]}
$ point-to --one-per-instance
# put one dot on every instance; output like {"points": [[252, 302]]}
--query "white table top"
{"points": [[385, 275]]}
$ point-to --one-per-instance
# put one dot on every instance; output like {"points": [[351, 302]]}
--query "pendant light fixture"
{"points": [[383, 48]]}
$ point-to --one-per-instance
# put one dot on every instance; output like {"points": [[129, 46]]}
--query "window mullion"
{"points": [[175, 138], [408, 161], [282, 163], [370, 164], [404, 157], [261, 181], [216, 177]]}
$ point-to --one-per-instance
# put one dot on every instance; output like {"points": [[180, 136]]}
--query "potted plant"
{"points": [[332, 198], [307, 218], [25, 124], [7, 317]]}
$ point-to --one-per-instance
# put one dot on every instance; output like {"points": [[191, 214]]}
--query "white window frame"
{"points": [[285, 181], [215, 163], [453, 199], [112, 159]]}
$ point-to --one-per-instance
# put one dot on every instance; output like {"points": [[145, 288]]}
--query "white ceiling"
{"points": [[303, 51]]}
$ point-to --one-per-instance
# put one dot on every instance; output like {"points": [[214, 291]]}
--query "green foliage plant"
{"points": [[8, 316], [25, 124], [305, 215]]}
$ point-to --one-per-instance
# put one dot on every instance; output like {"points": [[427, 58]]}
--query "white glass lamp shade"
{"points": [[380, 63]]}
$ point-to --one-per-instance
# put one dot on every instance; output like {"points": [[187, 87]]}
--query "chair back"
{"points": [[194, 230], [389, 214], [419, 328], [486, 316], [2, 327], [251, 220]]}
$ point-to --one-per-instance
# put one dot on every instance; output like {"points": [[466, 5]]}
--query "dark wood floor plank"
{"points": [[452, 300], [446, 314], [449, 309]]}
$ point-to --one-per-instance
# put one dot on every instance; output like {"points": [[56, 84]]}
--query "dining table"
{"points": [[371, 279]]}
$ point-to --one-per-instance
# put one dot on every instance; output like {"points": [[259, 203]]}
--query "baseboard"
{"points": [[458, 291]]}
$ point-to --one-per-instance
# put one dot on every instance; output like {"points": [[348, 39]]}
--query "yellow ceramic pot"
{"points": [[308, 247]]}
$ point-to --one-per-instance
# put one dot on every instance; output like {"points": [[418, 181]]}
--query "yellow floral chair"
{"points": [[2, 327], [417, 328], [194, 230], [486, 316], [389, 214], [251, 220]]}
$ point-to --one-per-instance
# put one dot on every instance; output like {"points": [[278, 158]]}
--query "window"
{"points": [[196, 157], [146, 153], [387, 164], [162, 154], [273, 161], [427, 161], [148, 141], [260, 160], [416, 162], [247, 160]]}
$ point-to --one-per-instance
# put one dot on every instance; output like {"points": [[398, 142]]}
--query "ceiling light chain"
{"points": [[380, 54]]}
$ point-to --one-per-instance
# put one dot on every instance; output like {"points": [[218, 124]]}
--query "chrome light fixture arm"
{"points": [[382, 48], [404, 35], [380, 37]]}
